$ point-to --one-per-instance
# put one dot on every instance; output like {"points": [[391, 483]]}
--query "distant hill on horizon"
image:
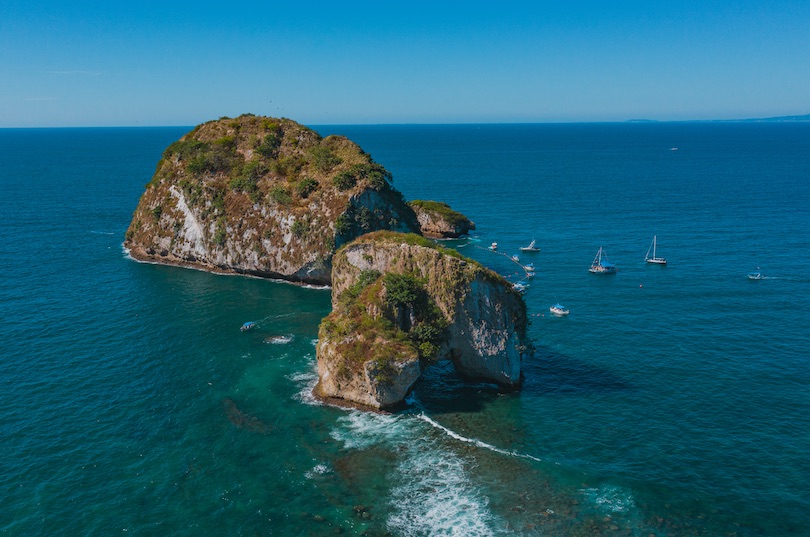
{"points": [[805, 117], [777, 119]]}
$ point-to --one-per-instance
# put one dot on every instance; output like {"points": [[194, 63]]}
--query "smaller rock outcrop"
{"points": [[401, 303], [438, 221]]}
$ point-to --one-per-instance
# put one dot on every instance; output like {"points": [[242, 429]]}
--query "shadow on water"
{"points": [[551, 372], [442, 389]]}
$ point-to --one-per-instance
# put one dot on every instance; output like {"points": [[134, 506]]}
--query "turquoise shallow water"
{"points": [[672, 401]]}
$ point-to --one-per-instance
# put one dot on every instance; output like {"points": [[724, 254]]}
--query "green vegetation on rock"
{"points": [[306, 186], [440, 208], [235, 186], [438, 220], [401, 302], [385, 319]]}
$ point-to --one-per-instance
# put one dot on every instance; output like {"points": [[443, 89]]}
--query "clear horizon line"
{"points": [[796, 118]]}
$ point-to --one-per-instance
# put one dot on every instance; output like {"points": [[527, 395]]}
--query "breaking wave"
{"points": [[434, 494]]}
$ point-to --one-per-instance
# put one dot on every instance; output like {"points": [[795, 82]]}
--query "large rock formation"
{"points": [[262, 196], [438, 221], [400, 303]]}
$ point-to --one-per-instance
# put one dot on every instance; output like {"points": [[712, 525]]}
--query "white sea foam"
{"points": [[360, 430], [301, 377], [318, 469], [280, 340], [434, 496], [476, 442], [319, 287], [610, 498], [306, 380], [433, 493]]}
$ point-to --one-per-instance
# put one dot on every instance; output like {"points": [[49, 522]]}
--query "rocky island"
{"points": [[438, 221], [271, 198], [262, 196], [401, 303]]}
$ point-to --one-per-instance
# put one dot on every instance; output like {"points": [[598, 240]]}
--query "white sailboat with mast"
{"points": [[601, 265], [532, 247], [654, 259]]}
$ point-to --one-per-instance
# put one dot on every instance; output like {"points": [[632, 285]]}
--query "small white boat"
{"points": [[493, 246], [247, 326], [602, 266], [520, 287], [755, 276], [516, 258], [529, 267], [532, 247], [559, 310], [654, 259], [530, 274]]}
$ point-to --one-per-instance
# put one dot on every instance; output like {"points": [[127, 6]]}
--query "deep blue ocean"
{"points": [[672, 401]]}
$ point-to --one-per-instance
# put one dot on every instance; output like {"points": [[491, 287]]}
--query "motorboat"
{"points": [[559, 310]]}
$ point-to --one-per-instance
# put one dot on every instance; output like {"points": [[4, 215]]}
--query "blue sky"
{"points": [[85, 63]]}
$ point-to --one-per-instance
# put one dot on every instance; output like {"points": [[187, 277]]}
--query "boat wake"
{"points": [[475, 442]]}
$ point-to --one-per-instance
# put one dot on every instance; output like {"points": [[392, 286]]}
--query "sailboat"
{"points": [[655, 260], [532, 247], [602, 266]]}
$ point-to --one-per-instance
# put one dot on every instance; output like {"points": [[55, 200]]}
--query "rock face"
{"points": [[437, 220], [401, 303], [262, 196]]}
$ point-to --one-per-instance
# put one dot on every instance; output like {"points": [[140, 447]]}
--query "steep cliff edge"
{"points": [[401, 303], [438, 221], [262, 196]]}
